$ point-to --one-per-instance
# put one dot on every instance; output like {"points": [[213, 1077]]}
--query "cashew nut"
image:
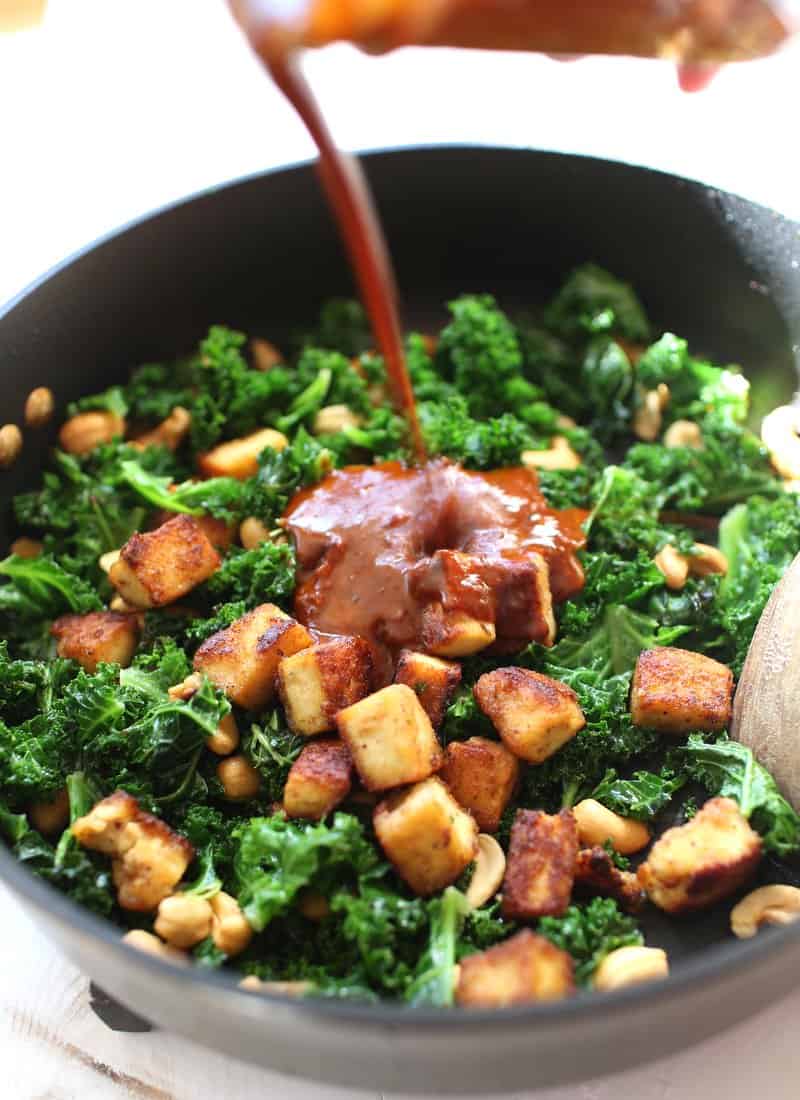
{"points": [[252, 532], [265, 355], [707, 560], [170, 433], [490, 866], [560, 456], [683, 433], [120, 604], [673, 565], [26, 548], [647, 418], [183, 920], [230, 928], [630, 965], [597, 824], [10, 445], [225, 738], [39, 407], [82, 433], [52, 816], [106, 561], [186, 688], [335, 418], [780, 432], [152, 945], [767, 905], [238, 777]]}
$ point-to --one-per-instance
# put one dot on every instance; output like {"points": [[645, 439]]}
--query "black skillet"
{"points": [[261, 255]]}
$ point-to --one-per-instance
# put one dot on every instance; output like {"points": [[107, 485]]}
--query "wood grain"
{"points": [[766, 710]]}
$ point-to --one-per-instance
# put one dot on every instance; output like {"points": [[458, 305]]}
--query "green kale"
{"points": [[38, 588], [480, 352], [282, 473], [555, 367], [729, 769], [607, 381], [589, 933], [276, 858], [222, 497], [272, 748], [195, 631], [450, 430], [593, 301], [264, 574], [111, 400], [433, 982], [387, 932], [343, 326], [643, 795], [625, 517]]}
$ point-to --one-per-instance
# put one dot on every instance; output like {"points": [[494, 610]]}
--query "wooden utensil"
{"points": [[766, 709]]}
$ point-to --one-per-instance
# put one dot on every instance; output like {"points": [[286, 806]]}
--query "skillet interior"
{"points": [[262, 255]]}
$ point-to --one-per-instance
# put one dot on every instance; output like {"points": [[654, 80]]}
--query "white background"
{"points": [[114, 107]]}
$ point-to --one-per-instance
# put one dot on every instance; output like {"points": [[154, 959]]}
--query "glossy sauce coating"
{"points": [[367, 536]]}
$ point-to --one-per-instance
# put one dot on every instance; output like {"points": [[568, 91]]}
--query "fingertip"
{"points": [[694, 78]]}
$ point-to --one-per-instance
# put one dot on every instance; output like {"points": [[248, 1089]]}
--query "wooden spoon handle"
{"points": [[766, 709]]}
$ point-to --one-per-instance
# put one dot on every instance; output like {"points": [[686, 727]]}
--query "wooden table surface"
{"points": [[114, 107]]}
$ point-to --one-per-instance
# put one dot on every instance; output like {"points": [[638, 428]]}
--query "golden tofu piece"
{"points": [[239, 457], [426, 836], [391, 738], [693, 865], [318, 682], [523, 600], [148, 859], [100, 637], [243, 658], [432, 679], [541, 865], [158, 567], [521, 970], [82, 433], [482, 776], [447, 633], [533, 714], [675, 691], [596, 873], [318, 780]]}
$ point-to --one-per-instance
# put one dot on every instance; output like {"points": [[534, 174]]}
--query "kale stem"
{"points": [[185, 782]]}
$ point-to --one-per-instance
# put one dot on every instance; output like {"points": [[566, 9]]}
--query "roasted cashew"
{"points": [[559, 456], [707, 560], [683, 433], [767, 905], [39, 407], [780, 432], [490, 867], [630, 965], [673, 565], [335, 418], [597, 824], [152, 945]]}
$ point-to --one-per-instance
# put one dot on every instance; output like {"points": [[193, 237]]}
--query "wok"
{"points": [[261, 255]]}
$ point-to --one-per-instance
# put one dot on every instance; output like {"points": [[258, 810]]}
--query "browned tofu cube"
{"points": [[523, 969], [694, 865], [318, 682], [318, 780], [482, 776], [523, 600], [454, 633], [243, 658], [432, 679], [595, 872], [426, 836], [158, 567], [100, 637], [533, 714], [239, 457], [541, 865], [391, 738], [676, 691], [148, 859]]}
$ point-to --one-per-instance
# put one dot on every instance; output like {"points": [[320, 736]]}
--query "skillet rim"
{"points": [[690, 975]]}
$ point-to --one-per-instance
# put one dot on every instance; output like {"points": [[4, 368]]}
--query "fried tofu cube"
{"points": [[596, 873], [318, 780], [243, 658], [523, 600], [541, 865], [432, 679], [482, 776], [523, 969], [158, 567], [148, 859], [675, 691], [694, 865], [100, 637], [426, 836], [533, 714], [238, 458], [391, 738], [452, 633], [318, 682]]}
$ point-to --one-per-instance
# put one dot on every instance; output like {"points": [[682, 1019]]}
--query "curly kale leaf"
{"points": [[276, 858], [643, 795], [39, 588], [433, 982], [450, 430], [222, 497], [593, 301], [625, 517], [589, 933], [264, 574], [282, 473], [272, 748], [343, 326], [729, 769], [480, 352]]}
